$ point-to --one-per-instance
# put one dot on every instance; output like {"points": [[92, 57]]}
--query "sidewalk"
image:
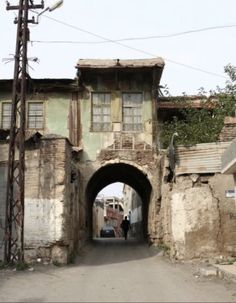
{"points": [[227, 271], [224, 270]]}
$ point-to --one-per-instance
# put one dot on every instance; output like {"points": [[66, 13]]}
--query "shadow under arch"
{"points": [[118, 172]]}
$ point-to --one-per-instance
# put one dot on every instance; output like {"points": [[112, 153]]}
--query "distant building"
{"points": [[113, 213], [115, 203]]}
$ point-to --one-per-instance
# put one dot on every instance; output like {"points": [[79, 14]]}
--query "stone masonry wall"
{"points": [[49, 195]]}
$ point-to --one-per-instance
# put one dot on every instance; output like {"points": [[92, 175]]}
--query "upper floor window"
{"points": [[101, 111], [132, 111], [35, 115], [6, 115]]}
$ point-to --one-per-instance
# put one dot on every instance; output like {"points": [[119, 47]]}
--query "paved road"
{"points": [[115, 271]]}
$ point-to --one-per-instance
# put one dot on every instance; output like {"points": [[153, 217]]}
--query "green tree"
{"points": [[204, 124]]}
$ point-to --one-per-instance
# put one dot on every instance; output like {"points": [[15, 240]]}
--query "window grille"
{"points": [[101, 112], [132, 111]]}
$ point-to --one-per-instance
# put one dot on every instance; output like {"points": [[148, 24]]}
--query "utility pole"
{"points": [[14, 220]]}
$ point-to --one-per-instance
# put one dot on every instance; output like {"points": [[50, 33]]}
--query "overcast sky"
{"points": [[114, 189], [87, 20]]}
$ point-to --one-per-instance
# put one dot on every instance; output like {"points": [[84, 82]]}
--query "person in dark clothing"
{"points": [[125, 225]]}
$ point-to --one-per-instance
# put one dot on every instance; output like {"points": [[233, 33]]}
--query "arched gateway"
{"points": [[119, 172], [96, 130], [118, 114], [103, 127]]}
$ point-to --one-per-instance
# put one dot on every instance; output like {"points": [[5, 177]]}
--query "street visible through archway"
{"points": [[131, 176], [118, 206]]}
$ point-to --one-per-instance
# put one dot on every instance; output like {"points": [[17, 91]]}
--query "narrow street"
{"points": [[115, 270]]}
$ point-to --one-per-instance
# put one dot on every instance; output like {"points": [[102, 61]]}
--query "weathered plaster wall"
{"points": [[196, 216], [56, 111], [56, 114], [93, 142], [98, 219]]}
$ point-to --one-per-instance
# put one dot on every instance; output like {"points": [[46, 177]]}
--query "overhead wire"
{"points": [[139, 38], [105, 39]]}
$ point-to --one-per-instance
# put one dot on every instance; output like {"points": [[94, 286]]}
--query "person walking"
{"points": [[125, 225]]}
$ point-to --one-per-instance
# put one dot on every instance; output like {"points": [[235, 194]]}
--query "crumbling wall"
{"points": [[197, 217], [50, 200]]}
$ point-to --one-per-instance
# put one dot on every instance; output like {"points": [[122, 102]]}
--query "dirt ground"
{"points": [[115, 270]]}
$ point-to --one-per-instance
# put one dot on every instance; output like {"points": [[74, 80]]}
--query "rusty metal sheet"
{"points": [[201, 158]]}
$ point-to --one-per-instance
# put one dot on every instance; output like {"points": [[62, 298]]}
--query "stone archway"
{"points": [[119, 172]]}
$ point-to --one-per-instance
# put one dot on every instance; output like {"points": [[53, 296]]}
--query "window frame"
{"points": [[132, 107], [28, 116], [102, 123], [2, 114]]}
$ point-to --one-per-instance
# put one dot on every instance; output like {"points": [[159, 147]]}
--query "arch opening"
{"points": [[123, 173]]}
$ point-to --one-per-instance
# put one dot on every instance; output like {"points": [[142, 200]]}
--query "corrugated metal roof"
{"points": [[120, 63], [201, 158]]}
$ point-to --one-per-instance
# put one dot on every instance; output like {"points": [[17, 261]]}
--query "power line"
{"points": [[138, 38], [134, 48]]}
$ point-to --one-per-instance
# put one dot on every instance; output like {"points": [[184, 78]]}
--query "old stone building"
{"points": [[101, 128]]}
